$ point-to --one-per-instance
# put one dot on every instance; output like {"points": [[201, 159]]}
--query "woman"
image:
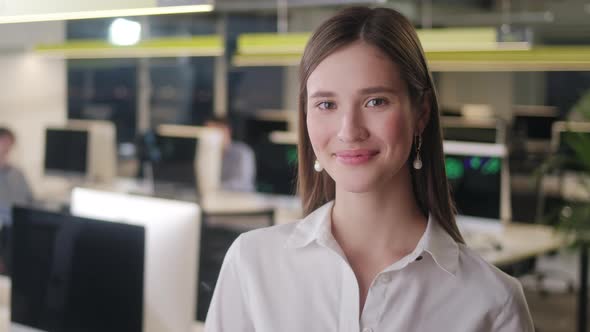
{"points": [[378, 249]]}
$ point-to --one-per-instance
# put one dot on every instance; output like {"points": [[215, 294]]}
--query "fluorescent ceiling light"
{"points": [[106, 13], [205, 45], [124, 32]]}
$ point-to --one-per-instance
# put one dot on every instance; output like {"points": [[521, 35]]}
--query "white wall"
{"points": [[495, 89], [529, 88], [33, 91]]}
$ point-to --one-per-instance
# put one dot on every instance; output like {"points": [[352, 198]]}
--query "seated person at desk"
{"points": [[378, 248], [14, 188], [238, 171]]}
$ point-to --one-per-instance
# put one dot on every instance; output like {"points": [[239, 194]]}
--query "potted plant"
{"points": [[573, 218]]}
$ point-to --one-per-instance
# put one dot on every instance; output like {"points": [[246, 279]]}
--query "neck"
{"points": [[385, 219]]}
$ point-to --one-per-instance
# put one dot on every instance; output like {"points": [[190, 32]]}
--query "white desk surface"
{"points": [[518, 242], [287, 208]]}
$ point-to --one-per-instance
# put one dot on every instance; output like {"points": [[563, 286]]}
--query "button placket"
{"points": [[374, 303]]}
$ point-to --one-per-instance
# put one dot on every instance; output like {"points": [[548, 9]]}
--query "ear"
{"points": [[423, 114]]}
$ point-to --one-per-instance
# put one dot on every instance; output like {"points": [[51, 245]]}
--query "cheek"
{"points": [[396, 129], [318, 133]]}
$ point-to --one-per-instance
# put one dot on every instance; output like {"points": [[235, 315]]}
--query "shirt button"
{"points": [[385, 279], [367, 329]]}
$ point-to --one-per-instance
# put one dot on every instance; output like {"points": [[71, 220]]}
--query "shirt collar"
{"points": [[435, 240], [440, 245], [316, 226]]}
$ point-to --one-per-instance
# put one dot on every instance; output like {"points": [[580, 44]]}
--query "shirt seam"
{"points": [[241, 279], [503, 309]]}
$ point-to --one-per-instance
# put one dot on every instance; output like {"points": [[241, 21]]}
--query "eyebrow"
{"points": [[365, 91], [377, 89], [322, 94]]}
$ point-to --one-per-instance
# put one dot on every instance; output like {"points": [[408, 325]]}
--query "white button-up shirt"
{"points": [[295, 277]]}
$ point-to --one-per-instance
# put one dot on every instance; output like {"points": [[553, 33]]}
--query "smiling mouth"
{"points": [[355, 157]]}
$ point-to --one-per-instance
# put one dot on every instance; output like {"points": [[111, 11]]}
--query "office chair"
{"points": [[218, 232]]}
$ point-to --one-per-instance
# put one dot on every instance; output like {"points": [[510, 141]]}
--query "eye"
{"points": [[326, 105], [376, 102]]}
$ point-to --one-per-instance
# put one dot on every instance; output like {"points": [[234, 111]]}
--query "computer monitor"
{"points": [[66, 152], [208, 152], [534, 122], [175, 162], [276, 168], [475, 184], [81, 150], [472, 130], [171, 247], [479, 180], [535, 127], [76, 274], [482, 135], [559, 142], [257, 130]]}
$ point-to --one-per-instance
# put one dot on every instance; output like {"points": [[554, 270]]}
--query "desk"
{"points": [[519, 242], [287, 208]]}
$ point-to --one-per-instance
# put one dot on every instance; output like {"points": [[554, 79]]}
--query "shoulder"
{"points": [[266, 240], [14, 172], [258, 249], [240, 152], [241, 147], [479, 274]]}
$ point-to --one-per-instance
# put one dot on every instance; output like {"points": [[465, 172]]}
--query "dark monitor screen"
{"points": [[66, 151], [470, 134], [475, 184], [276, 168], [174, 162], [534, 127], [257, 130], [76, 274]]}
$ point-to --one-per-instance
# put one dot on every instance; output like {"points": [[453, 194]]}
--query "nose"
{"points": [[352, 127]]}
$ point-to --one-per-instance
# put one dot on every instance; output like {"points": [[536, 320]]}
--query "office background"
{"points": [[135, 94]]}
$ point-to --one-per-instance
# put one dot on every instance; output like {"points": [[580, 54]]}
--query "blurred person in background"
{"points": [[238, 170], [14, 188]]}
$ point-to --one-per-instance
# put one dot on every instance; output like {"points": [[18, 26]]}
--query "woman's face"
{"points": [[359, 117]]}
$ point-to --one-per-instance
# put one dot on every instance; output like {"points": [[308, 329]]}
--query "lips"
{"points": [[355, 157]]}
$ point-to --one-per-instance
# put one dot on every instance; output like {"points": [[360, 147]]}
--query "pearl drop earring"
{"points": [[418, 161], [317, 167]]}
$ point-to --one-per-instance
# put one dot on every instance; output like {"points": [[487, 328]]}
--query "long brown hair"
{"points": [[391, 33]]}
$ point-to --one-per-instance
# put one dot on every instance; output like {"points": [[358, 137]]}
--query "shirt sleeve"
{"points": [[515, 315], [228, 311], [26, 188]]}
